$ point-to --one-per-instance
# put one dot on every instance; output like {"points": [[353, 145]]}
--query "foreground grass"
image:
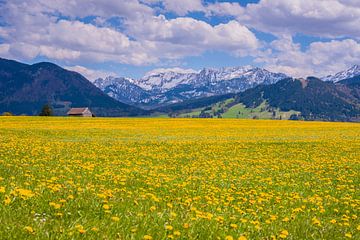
{"points": [[70, 178]]}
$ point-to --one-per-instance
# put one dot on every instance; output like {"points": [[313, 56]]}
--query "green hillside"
{"points": [[230, 109], [305, 99]]}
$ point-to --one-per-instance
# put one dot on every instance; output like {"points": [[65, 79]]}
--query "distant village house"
{"points": [[80, 112]]}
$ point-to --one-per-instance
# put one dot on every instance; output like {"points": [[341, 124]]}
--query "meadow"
{"points": [[98, 178]]}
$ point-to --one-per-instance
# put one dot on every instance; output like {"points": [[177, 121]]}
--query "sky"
{"points": [[131, 37]]}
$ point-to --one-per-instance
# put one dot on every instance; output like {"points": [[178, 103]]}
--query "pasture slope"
{"points": [[99, 178]]}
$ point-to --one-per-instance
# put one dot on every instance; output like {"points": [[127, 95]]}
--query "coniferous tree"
{"points": [[46, 110]]}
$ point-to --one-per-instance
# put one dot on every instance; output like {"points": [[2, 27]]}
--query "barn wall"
{"points": [[87, 113]]}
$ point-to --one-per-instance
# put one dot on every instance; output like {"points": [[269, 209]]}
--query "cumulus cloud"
{"points": [[38, 28], [224, 9], [70, 40], [196, 36], [183, 7], [324, 18], [32, 31], [179, 7], [90, 74], [84, 8], [134, 32], [319, 59]]}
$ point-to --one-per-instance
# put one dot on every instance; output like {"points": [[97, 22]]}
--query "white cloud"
{"points": [[183, 7], [35, 28], [90, 74], [224, 9], [324, 18], [191, 37], [179, 7], [32, 32], [4, 49], [355, 3], [319, 59], [84, 8], [55, 29]]}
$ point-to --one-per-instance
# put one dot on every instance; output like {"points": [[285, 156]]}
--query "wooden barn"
{"points": [[80, 112]]}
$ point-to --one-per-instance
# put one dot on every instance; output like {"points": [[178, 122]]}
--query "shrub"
{"points": [[7, 114]]}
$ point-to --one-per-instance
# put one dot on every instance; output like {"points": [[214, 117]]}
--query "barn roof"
{"points": [[75, 111]]}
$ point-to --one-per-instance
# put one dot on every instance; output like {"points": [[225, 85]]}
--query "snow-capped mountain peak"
{"points": [[349, 73], [163, 79], [248, 73], [175, 70], [110, 80], [164, 86]]}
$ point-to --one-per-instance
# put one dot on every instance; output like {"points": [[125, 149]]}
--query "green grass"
{"points": [[128, 178], [241, 111]]}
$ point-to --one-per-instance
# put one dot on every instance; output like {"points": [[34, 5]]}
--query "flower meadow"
{"points": [[102, 178]]}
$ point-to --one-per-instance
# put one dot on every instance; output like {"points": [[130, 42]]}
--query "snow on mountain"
{"points": [[122, 89], [164, 86], [224, 73], [349, 73], [163, 79]]}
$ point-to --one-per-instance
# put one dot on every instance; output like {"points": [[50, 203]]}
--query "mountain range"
{"points": [[349, 73], [160, 88], [235, 92], [307, 99]]}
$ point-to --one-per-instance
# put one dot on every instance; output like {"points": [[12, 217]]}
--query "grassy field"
{"points": [[72, 178], [240, 111]]}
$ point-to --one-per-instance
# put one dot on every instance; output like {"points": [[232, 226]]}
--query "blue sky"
{"points": [[132, 37]]}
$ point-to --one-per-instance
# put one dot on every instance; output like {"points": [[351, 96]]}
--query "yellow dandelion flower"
{"points": [[348, 235], [316, 221], [147, 237], [242, 238], [78, 226], [284, 234], [7, 200], [115, 219], [233, 225], [29, 229], [59, 214], [229, 237], [169, 227]]}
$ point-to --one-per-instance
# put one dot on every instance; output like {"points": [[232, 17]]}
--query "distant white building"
{"points": [[80, 112]]}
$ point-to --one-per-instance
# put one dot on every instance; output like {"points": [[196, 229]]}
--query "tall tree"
{"points": [[46, 110]]}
